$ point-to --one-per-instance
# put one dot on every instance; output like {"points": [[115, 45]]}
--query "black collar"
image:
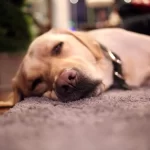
{"points": [[119, 80]]}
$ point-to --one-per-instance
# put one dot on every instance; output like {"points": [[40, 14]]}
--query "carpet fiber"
{"points": [[117, 120]]}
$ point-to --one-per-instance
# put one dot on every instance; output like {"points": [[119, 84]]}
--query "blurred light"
{"points": [[146, 1], [127, 1], [74, 1]]}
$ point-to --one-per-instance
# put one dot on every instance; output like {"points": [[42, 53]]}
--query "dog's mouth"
{"points": [[73, 85]]}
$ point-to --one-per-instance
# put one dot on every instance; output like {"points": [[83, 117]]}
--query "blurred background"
{"points": [[23, 20]]}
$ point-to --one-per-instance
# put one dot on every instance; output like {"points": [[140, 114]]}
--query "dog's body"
{"points": [[65, 65], [133, 50]]}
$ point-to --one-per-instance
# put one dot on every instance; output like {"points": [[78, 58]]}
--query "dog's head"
{"points": [[61, 65]]}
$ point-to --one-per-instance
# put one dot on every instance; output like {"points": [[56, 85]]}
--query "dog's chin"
{"points": [[85, 87]]}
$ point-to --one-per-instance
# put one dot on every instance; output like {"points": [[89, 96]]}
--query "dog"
{"points": [[70, 65]]}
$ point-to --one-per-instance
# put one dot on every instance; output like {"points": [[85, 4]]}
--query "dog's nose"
{"points": [[66, 82]]}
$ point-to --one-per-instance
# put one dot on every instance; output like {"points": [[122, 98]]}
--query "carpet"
{"points": [[116, 120]]}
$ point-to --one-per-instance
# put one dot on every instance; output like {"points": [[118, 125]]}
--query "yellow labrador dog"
{"points": [[65, 65]]}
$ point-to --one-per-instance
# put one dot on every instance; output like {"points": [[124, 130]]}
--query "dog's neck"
{"points": [[119, 80]]}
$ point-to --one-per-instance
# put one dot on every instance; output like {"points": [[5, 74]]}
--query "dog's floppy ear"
{"points": [[8, 102], [17, 83], [89, 42], [12, 98], [85, 39], [15, 96]]}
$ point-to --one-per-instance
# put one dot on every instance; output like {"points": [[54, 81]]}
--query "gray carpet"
{"points": [[117, 120]]}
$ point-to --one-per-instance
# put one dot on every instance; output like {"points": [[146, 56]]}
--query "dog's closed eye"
{"points": [[57, 49], [36, 82]]}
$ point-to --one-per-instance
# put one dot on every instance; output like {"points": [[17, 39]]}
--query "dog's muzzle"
{"points": [[73, 85]]}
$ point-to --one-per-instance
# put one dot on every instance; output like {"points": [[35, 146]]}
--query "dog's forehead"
{"points": [[44, 43], [49, 38]]}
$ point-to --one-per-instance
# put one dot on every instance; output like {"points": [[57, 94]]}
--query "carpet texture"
{"points": [[117, 120]]}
